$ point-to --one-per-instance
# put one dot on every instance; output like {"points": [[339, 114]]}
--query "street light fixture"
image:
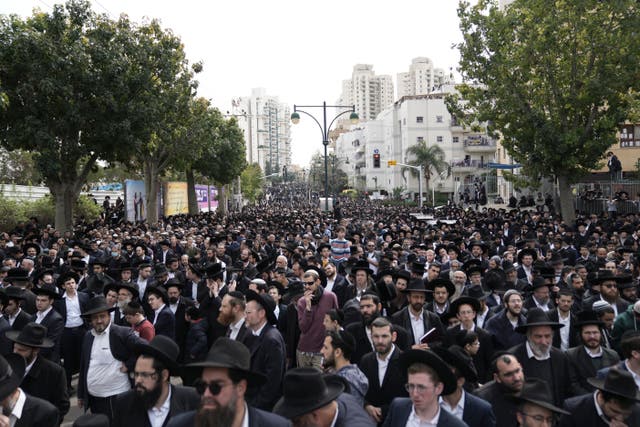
{"points": [[353, 117]]}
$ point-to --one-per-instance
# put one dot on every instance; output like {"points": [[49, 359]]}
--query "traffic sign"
{"points": [[391, 163]]}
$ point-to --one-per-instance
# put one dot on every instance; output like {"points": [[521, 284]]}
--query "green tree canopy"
{"points": [[430, 158], [554, 78], [252, 181]]}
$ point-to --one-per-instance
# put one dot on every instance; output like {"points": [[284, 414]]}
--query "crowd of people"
{"points": [[282, 314]]}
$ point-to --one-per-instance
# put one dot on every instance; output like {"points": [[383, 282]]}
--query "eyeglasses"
{"points": [[144, 375], [214, 387], [418, 388], [540, 418], [309, 283]]}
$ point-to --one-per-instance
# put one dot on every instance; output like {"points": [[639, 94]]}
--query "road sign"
{"points": [[391, 163]]}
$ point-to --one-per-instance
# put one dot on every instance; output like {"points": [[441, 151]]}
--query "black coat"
{"points": [[165, 323], [60, 305], [351, 413], [401, 408], [55, 326], [181, 325], [21, 320], [122, 342], [47, 380], [582, 367], [430, 320], [584, 413], [128, 412], [502, 332], [38, 413], [6, 345], [574, 338], [282, 319], [564, 385], [392, 384], [503, 406], [257, 418], [363, 345], [482, 359], [268, 357]]}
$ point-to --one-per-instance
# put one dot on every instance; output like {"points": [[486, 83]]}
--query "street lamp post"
{"points": [[295, 119], [419, 168]]}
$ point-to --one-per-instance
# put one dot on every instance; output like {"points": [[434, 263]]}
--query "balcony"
{"points": [[479, 144], [467, 165]]}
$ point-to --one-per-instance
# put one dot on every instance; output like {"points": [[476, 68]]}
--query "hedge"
{"points": [[14, 212]]}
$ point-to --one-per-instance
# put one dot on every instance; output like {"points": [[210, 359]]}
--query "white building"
{"points": [[266, 124], [408, 121], [422, 78], [369, 93]]}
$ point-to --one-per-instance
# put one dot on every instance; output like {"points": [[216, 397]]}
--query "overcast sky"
{"points": [[297, 50]]}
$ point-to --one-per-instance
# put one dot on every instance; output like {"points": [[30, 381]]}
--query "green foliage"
{"points": [[554, 85], [252, 181], [12, 213], [19, 167], [397, 192], [337, 179], [431, 159]]}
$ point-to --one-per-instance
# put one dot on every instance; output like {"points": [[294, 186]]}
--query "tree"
{"points": [[431, 159], [556, 85], [252, 181], [65, 95]]}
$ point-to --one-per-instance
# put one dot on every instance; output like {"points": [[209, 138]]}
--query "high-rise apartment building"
{"points": [[369, 93], [266, 124], [422, 78]]}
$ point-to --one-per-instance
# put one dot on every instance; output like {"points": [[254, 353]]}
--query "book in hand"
{"points": [[431, 336]]}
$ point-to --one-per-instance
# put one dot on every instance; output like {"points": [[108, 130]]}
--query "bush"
{"points": [[14, 212]]}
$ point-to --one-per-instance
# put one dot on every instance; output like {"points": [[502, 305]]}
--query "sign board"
{"points": [[392, 163]]}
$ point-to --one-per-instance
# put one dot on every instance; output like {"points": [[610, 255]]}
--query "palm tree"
{"points": [[431, 159]]}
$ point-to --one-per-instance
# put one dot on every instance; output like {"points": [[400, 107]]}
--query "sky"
{"points": [[297, 50]]}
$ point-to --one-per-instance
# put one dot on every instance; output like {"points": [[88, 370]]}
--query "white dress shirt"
{"points": [[458, 411], [73, 311], [40, 315], [383, 364], [104, 377], [417, 325], [158, 415], [415, 421], [16, 411], [235, 328]]}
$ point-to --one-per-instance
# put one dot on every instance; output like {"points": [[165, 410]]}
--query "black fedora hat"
{"points": [[266, 302], [158, 291], [417, 267], [618, 382], [606, 276], [457, 358], [163, 348], [66, 276], [537, 392], [173, 282], [129, 287], [32, 245], [32, 335], [473, 302], [527, 251], [97, 304], [91, 420], [17, 274], [537, 317], [431, 359], [4, 299], [402, 274], [160, 270], [99, 261], [77, 264], [439, 283], [477, 292], [230, 354], [305, 390], [214, 270], [11, 372], [47, 289], [266, 264], [15, 292], [588, 317], [479, 243], [363, 265], [416, 285]]}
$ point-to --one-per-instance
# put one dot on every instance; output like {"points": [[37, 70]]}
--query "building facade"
{"points": [[266, 124], [368, 92], [422, 78]]}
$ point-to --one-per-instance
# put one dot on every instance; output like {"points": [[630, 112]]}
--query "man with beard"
{"points": [[382, 368], [178, 306], [336, 353], [502, 325], [415, 320], [232, 315], [588, 358], [361, 331], [154, 400], [539, 359], [508, 379], [540, 297], [566, 337], [225, 377], [608, 291], [126, 293]]}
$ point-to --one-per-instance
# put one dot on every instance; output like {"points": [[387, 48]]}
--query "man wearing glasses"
{"points": [[608, 282], [154, 400], [312, 307], [225, 377]]}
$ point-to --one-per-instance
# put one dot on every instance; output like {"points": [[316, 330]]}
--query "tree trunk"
{"points": [[65, 194], [192, 201], [567, 209], [150, 169], [222, 200]]}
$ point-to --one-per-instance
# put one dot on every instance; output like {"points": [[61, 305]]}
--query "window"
{"points": [[438, 139], [420, 139], [419, 119], [456, 139], [438, 119]]}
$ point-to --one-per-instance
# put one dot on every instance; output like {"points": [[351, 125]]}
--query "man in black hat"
{"points": [[540, 359], [18, 278], [414, 318], [18, 408], [127, 292], [590, 356], [16, 316], [162, 318], [472, 410], [313, 400], [43, 379], [226, 375], [526, 257], [178, 305], [428, 377], [107, 355], [535, 406], [541, 296], [268, 352], [608, 291], [154, 400], [465, 309], [50, 318], [442, 291]]}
